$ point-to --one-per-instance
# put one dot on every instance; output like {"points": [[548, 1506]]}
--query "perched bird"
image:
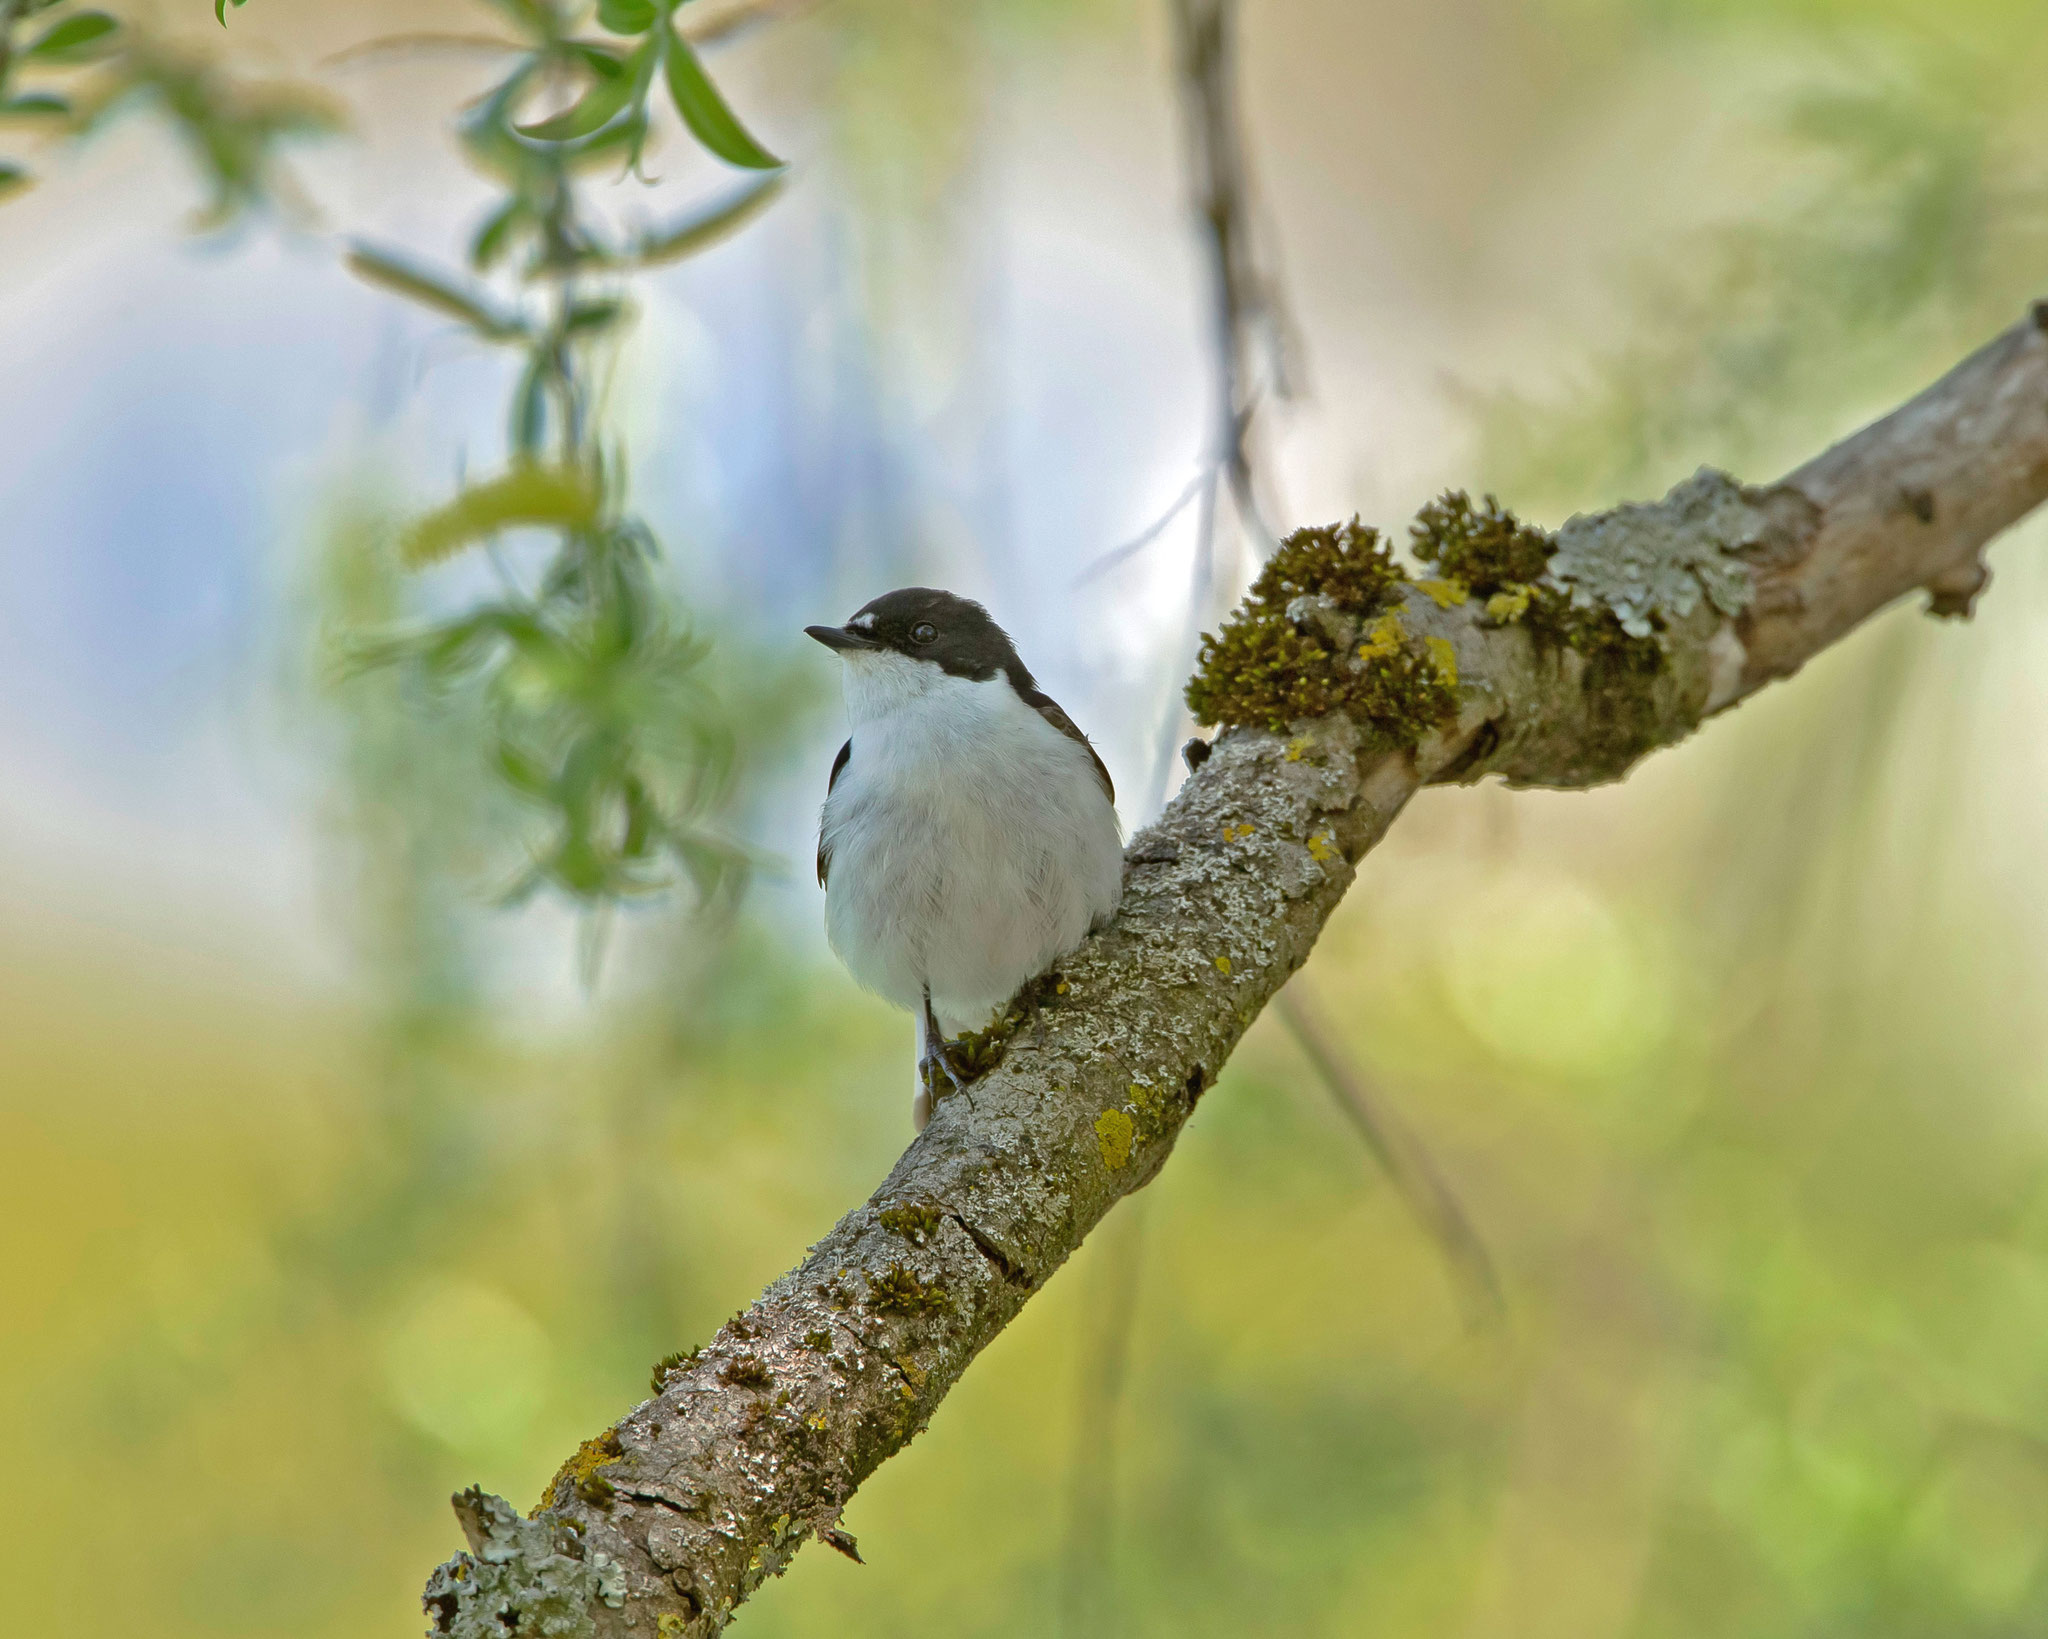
{"points": [[969, 836]]}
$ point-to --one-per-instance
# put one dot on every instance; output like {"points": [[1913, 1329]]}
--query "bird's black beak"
{"points": [[838, 637]]}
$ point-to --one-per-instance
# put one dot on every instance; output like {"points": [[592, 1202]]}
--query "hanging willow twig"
{"points": [[593, 686]]}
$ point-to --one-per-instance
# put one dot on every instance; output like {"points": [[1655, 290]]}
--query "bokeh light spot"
{"points": [[466, 1365], [1548, 976]]}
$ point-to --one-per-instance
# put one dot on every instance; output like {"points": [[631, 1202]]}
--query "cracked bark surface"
{"points": [[664, 1524]]}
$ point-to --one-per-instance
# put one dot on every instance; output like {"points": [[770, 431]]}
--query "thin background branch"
{"points": [[1252, 356]]}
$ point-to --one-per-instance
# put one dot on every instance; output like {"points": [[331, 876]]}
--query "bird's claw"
{"points": [[942, 1059], [939, 1051]]}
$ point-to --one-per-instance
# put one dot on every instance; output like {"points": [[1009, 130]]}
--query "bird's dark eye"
{"points": [[924, 632]]}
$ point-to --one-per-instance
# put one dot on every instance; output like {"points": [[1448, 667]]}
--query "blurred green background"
{"points": [[330, 1188]]}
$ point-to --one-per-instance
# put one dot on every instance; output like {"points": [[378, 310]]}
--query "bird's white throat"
{"points": [[880, 682]]}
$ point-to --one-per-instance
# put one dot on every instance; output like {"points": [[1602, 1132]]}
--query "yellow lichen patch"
{"points": [[1237, 833], [1448, 594], [1113, 1134], [1223, 965], [1322, 847], [1445, 656], [579, 1476], [1384, 638], [1298, 747], [1505, 608], [670, 1626], [817, 1421], [1147, 1099], [1507, 562]]}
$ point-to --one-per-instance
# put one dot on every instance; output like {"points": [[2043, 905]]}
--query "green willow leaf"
{"points": [[78, 36], [600, 153], [705, 112], [12, 179], [220, 9], [528, 496], [530, 406], [626, 16], [432, 290], [496, 233], [604, 62], [35, 105], [704, 228], [585, 317], [523, 772], [607, 98]]}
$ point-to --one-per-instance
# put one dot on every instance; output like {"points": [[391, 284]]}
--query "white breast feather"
{"points": [[971, 844]]}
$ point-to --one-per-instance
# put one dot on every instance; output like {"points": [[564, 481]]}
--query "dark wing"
{"points": [[824, 853], [1048, 708]]}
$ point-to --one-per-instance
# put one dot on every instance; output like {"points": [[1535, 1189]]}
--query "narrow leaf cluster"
{"points": [[616, 82], [595, 693], [87, 67]]}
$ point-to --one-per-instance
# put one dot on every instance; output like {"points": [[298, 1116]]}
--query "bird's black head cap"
{"points": [[950, 631]]}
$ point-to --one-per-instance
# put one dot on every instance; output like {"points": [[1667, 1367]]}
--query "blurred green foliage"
{"points": [[68, 70], [590, 683], [1902, 215], [1737, 1066]]}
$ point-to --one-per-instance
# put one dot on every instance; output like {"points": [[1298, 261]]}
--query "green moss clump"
{"points": [[745, 1372], [1484, 548], [1347, 563], [820, 1340], [1262, 671], [976, 1052], [1495, 556], [899, 1291], [912, 1220], [1595, 633], [669, 1364]]}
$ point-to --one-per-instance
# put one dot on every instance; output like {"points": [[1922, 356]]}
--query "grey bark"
{"points": [[667, 1522]]}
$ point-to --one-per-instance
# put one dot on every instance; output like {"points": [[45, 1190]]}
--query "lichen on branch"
{"points": [[1486, 552]]}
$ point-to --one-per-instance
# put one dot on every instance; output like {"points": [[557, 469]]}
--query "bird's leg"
{"points": [[935, 1049], [1034, 1009]]}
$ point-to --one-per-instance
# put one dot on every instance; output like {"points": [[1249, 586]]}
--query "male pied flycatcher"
{"points": [[969, 837]]}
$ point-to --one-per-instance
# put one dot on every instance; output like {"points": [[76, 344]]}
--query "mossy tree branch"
{"points": [[753, 1444]]}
